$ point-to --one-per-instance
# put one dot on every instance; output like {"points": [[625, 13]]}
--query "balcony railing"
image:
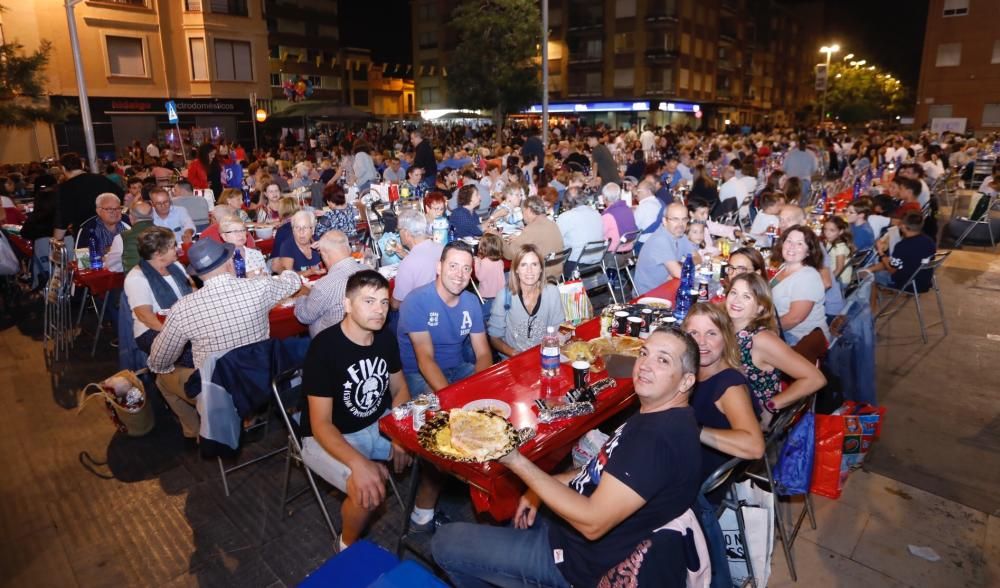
{"points": [[660, 54], [130, 3]]}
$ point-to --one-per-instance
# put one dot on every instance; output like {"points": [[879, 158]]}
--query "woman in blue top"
{"points": [[721, 400], [464, 221], [297, 253]]}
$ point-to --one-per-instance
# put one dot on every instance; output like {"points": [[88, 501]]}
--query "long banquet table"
{"points": [[517, 381]]}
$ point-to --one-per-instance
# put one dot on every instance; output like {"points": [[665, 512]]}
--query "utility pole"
{"points": [[81, 87]]}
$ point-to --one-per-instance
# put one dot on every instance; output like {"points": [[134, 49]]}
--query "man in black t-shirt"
{"points": [[895, 269], [76, 195], [351, 377], [645, 476]]}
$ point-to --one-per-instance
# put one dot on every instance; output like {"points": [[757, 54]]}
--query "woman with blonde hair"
{"points": [[764, 356], [721, 401], [526, 307]]}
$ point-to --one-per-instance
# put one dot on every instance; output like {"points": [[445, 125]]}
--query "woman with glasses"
{"points": [[297, 254], [526, 307], [764, 356], [434, 206], [232, 230], [746, 260], [797, 288]]}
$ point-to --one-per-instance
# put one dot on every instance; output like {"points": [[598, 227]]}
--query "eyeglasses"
{"points": [[161, 203], [301, 229], [676, 219], [234, 232], [113, 209], [735, 270]]}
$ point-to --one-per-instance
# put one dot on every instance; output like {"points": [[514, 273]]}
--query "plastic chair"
{"points": [[909, 290], [556, 259], [598, 269]]}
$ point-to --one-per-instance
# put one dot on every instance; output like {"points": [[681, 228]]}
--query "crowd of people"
{"points": [[471, 199]]}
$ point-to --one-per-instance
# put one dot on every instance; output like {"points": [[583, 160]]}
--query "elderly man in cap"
{"points": [[224, 314]]}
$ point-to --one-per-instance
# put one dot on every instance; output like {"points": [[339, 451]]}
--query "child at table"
{"points": [[837, 241], [489, 270], [696, 234]]}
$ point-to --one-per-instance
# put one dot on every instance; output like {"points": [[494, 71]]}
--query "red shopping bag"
{"points": [[842, 442]]}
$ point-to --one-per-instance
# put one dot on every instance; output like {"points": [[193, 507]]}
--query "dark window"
{"points": [[234, 7], [362, 74], [360, 97]]}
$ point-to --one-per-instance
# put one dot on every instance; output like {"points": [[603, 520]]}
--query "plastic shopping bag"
{"points": [[842, 442], [793, 472], [575, 302], [756, 506]]}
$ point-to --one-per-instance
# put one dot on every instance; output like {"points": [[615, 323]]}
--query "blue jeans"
{"points": [[418, 385], [484, 555], [716, 543]]}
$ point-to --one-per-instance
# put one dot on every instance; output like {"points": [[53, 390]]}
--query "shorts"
{"points": [[883, 278], [369, 442], [418, 385]]}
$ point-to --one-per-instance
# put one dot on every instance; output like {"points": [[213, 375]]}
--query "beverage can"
{"points": [[419, 412]]}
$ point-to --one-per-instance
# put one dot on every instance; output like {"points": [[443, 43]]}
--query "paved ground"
{"points": [[163, 520]]}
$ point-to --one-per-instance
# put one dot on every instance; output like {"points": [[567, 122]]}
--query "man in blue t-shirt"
{"points": [[663, 253], [602, 519], [439, 323]]}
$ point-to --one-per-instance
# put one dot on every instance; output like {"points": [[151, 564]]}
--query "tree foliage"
{"points": [[22, 86], [494, 65], [859, 94]]}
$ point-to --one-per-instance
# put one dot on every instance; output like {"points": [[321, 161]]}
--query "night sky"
{"points": [[888, 33]]}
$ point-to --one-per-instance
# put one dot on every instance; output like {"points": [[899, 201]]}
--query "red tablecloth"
{"points": [[283, 321], [517, 381], [99, 281], [265, 246], [23, 246]]}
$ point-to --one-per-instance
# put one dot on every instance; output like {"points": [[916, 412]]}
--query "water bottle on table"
{"points": [[550, 353]]}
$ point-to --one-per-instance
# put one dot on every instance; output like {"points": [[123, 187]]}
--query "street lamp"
{"points": [[81, 86], [848, 56], [826, 83], [261, 115]]}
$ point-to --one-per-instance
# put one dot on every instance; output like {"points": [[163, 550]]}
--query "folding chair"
{"points": [[288, 386], [598, 269], [909, 290], [58, 323], [982, 220], [859, 260], [556, 259], [622, 260], [773, 441], [715, 480]]}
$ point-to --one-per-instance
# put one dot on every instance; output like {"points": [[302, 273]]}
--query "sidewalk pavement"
{"points": [[862, 539]]}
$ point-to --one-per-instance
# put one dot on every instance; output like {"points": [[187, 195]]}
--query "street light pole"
{"points": [[826, 82], [81, 87], [545, 72]]}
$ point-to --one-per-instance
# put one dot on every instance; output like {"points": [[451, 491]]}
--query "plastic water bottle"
{"points": [[96, 262], [550, 353], [441, 230], [240, 264]]}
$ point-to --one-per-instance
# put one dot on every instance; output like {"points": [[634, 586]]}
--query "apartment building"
{"points": [[960, 66], [658, 61], [206, 55]]}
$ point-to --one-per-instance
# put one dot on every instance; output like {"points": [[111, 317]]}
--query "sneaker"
{"points": [[437, 522]]}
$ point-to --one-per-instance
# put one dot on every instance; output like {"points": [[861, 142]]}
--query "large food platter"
{"points": [[435, 437]]}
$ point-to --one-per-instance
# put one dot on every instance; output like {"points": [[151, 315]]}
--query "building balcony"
{"points": [[122, 3], [657, 89], [278, 9], [583, 92], [660, 18], [660, 55], [724, 65], [583, 59]]}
